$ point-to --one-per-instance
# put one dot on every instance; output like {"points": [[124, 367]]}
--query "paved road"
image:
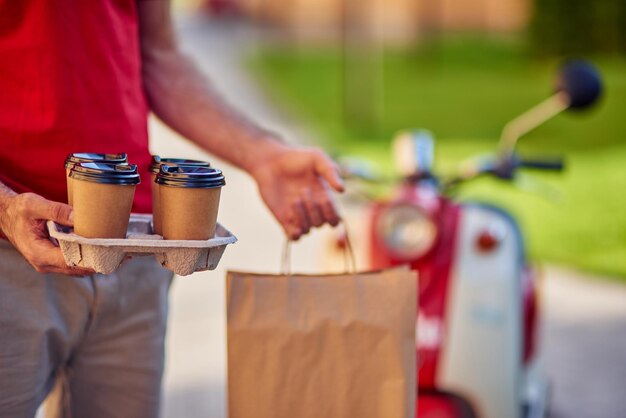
{"points": [[585, 345], [586, 319]]}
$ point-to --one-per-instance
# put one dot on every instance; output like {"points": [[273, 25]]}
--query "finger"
{"points": [[68, 271], [326, 168], [296, 223], [49, 258], [329, 209], [327, 206], [301, 217], [58, 212], [286, 219], [313, 211], [54, 258], [293, 232]]}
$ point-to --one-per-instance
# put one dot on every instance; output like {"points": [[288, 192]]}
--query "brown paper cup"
{"points": [[69, 186], [85, 157], [155, 167], [101, 210], [156, 206], [188, 213]]}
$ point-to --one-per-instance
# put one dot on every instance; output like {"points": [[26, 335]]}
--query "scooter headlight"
{"points": [[407, 231]]}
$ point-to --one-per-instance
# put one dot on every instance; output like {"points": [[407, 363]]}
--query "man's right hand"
{"points": [[23, 222]]}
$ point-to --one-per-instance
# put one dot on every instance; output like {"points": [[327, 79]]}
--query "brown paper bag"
{"points": [[339, 346]]}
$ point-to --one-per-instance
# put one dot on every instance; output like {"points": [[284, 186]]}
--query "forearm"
{"points": [[294, 183], [181, 96]]}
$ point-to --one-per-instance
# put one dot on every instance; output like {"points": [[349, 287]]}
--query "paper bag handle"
{"points": [[348, 253]]}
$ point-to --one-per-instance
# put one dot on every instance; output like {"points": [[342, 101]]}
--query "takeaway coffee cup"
{"points": [[189, 200], [155, 166], [103, 198], [88, 157]]}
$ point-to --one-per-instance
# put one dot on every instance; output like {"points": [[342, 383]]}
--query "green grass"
{"points": [[464, 90]]}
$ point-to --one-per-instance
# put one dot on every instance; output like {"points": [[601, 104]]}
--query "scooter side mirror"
{"points": [[579, 86], [580, 82]]}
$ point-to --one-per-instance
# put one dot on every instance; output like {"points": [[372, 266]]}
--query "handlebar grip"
{"points": [[554, 165]]}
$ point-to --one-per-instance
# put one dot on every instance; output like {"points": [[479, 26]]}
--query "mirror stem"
{"points": [[529, 120]]}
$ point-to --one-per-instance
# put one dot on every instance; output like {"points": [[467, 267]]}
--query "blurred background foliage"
{"points": [[358, 71], [578, 26]]}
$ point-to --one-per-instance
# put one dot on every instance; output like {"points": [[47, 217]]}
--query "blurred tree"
{"points": [[578, 26], [362, 50]]}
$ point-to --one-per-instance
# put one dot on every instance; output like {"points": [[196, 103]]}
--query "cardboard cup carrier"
{"points": [[155, 167], [105, 232], [104, 255], [88, 157], [189, 200], [103, 198]]}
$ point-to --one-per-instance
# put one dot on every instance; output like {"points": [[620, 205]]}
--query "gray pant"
{"points": [[103, 335]]}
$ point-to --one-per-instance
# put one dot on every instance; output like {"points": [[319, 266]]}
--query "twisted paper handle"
{"points": [[349, 258]]}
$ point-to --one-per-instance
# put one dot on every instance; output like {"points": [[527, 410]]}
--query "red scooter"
{"points": [[477, 327]]}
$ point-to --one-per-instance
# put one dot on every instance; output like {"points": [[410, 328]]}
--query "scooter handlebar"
{"points": [[505, 168], [552, 165]]}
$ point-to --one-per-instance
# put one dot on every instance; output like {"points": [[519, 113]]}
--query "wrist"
{"points": [[5, 203], [265, 151]]}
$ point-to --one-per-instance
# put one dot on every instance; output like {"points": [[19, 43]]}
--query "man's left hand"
{"points": [[295, 184]]}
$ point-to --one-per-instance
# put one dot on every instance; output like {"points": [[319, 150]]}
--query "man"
{"points": [[80, 76]]}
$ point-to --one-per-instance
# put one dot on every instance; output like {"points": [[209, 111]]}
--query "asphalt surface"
{"points": [[585, 345], [585, 328]]}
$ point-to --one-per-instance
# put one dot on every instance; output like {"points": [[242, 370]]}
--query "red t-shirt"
{"points": [[70, 81]]}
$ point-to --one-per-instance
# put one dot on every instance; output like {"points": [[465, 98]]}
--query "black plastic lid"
{"points": [[89, 157], [105, 173], [190, 177], [157, 162]]}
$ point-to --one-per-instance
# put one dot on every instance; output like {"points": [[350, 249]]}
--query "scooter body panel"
{"points": [[481, 357], [477, 307]]}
